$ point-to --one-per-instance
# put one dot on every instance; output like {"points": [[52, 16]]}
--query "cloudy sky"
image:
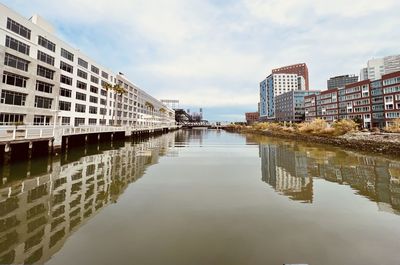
{"points": [[214, 53]]}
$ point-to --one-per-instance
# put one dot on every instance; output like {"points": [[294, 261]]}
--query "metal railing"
{"points": [[25, 132]]}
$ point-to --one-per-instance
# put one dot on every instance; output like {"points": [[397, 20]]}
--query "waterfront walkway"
{"points": [[55, 134]]}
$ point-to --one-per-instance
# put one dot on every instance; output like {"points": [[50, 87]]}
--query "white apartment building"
{"points": [[46, 81], [273, 86], [380, 66], [138, 108]]}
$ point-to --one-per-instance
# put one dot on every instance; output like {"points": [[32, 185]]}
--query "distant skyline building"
{"points": [[281, 80], [341, 81], [380, 66]]}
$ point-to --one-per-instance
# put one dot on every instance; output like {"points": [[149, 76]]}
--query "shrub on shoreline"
{"points": [[315, 127], [344, 126], [394, 127]]}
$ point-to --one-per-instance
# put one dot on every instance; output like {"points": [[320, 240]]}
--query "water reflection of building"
{"points": [[288, 168], [195, 135], [286, 172], [38, 214]]}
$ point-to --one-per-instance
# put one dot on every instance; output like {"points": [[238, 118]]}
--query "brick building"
{"points": [[391, 95], [300, 69], [374, 103], [252, 117]]}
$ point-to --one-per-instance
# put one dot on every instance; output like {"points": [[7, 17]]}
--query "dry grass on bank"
{"points": [[395, 127], [317, 127]]}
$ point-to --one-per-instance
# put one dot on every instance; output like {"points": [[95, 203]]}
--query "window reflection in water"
{"points": [[290, 167], [38, 212]]}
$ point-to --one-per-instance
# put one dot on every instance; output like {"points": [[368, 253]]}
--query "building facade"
{"points": [[47, 81], [138, 108], [263, 100], [281, 80], [341, 81], [372, 103], [355, 103], [376, 68], [252, 117], [391, 96], [300, 69], [310, 107], [290, 106]]}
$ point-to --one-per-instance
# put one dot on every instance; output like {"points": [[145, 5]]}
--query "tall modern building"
{"points": [[47, 81], [377, 67], [280, 81], [301, 70], [341, 81]]}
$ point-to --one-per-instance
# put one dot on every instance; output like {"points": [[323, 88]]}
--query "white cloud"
{"points": [[214, 53], [299, 12]]}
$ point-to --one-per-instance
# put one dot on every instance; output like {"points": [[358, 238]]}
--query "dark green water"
{"points": [[202, 197]]}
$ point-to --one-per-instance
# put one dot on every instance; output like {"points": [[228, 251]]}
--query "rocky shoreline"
{"points": [[381, 143]]}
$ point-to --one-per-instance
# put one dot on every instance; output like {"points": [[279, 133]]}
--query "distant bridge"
{"points": [[191, 125]]}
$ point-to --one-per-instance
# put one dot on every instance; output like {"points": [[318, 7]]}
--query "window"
{"points": [[18, 28], [80, 108], [41, 120], [47, 44], [79, 121], [12, 98], [93, 99], [95, 69], [94, 89], [393, 115], [82, 74], [17, 45], [92, 121], [8, 118], [65, 92], [94, 79], [67, 55], [388, 99], [42, 102], [65, 120], [82, 63], [63, 105], [92, 110], [103, 101], [103, 92], [81, 85], [16, 62], [104, 74], [44, 87], [80, 96], [45, 58], [14, 80], [103, 111], [392, 89], [66, 67], [45, 72], [66, 80]]}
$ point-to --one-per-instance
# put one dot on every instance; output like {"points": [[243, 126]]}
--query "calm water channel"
{"points": [[202, 197]]}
